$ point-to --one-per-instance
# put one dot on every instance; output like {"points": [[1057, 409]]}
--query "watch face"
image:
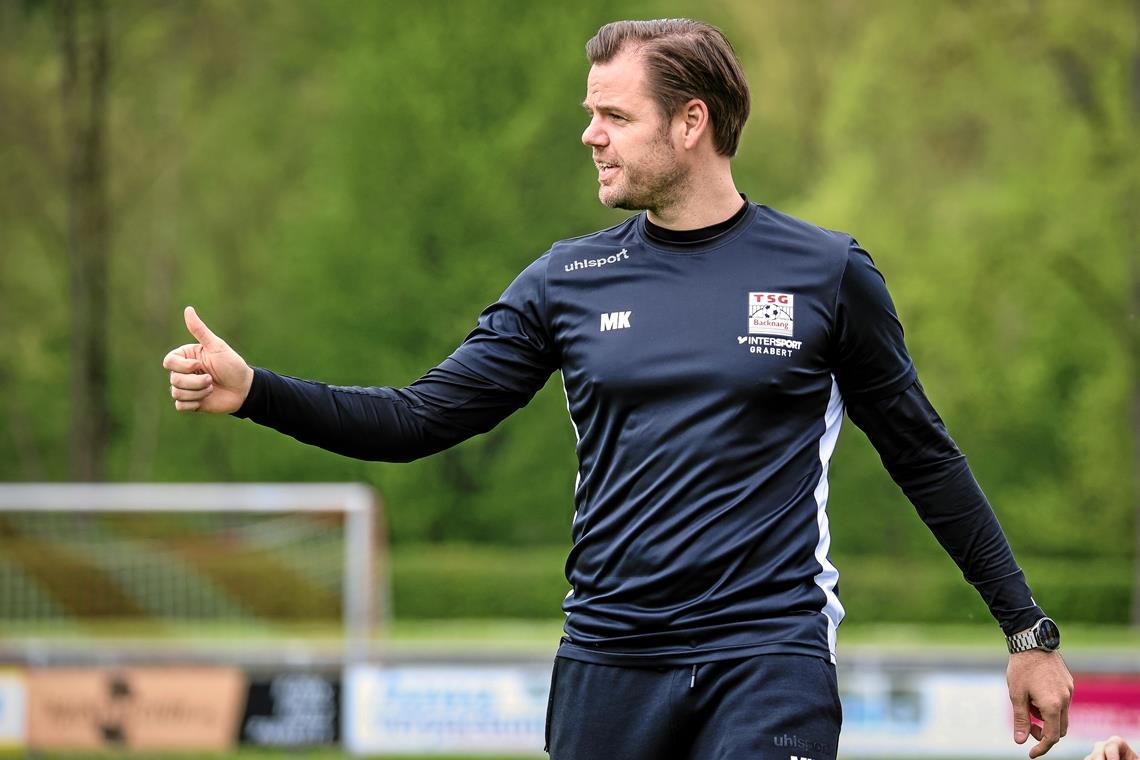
{"points": [[1048, 635]]}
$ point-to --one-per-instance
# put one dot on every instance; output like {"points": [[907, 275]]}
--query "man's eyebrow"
{"points": [[603, 108]]}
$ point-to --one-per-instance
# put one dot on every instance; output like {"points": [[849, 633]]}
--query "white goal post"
{"points": [[308, 525]]}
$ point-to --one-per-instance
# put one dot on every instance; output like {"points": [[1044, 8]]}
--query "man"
{"points": [[708, 347]]}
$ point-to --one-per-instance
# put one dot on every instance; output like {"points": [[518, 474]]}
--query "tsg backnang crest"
{"points": [[770, 314]]}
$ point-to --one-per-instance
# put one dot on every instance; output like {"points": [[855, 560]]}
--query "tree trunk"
{"points": [[1131, 231], [84, 52]]}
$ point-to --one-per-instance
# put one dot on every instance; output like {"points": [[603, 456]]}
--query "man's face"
{"points": [[638, 166]]}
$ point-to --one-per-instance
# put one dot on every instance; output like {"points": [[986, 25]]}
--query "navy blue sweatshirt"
{"points": [[706, 376]]}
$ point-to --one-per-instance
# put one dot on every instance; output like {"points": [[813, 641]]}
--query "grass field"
{"points": [[332, 755]]}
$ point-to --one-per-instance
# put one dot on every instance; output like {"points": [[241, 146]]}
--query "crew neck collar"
{"points": [[698, 238]]}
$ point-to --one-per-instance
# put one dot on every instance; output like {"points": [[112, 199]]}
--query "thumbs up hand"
{"points": [[207, 376]]}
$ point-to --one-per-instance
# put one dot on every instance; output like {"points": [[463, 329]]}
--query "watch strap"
{"points": [[1023, 641]]}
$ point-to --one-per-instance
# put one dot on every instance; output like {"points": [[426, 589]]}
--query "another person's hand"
{"points": [[207, 376], [1113, 748], [1040, 686]]}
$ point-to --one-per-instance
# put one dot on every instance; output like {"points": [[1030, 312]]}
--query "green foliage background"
{"points": [[340, 187]]}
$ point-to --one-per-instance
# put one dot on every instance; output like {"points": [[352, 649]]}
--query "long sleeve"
{"points": [[498, 368], [884, 398]]}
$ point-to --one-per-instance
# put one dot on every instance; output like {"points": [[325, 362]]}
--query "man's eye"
{"points": [[618, 117]]}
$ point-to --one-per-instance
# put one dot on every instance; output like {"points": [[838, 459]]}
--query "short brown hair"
{"points": [[685, 59]]}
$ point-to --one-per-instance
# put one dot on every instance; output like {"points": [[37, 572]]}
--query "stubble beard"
{"points": [[649, 189]]}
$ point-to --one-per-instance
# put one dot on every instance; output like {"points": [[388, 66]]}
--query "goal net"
{"points": [[211, 562]]}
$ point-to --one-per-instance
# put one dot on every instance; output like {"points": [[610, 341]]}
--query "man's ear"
{"points": [[694, 117]]}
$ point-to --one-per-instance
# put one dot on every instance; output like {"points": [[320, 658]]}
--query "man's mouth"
{"points": [[606, 170]]}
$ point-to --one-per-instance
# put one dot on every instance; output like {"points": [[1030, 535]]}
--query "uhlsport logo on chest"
{"points": [[771, 314], [622, 255]]}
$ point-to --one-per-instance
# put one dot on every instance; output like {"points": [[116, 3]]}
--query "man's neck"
{"points": [[705, 204]]}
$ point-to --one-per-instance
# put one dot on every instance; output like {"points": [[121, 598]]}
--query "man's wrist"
{"points": [[253, 400], [247, 386]]}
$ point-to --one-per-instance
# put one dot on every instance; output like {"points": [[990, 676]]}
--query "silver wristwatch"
{"points": [[1043, 635]]}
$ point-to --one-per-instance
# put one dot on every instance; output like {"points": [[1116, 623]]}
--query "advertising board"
{"points": [[498, 709], [295, 709], [159, 708], [1104, 705]]}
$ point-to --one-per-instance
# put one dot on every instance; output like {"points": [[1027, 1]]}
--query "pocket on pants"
{"points": [[832, 681]]}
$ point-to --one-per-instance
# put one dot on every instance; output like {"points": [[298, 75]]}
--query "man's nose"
{"points": [[594, 135]]}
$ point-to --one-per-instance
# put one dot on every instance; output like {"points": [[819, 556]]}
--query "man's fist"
{"points": [[1040, 686], [207, 376]]}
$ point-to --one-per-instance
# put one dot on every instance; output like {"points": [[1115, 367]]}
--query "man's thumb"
{"points": [[198, 328], [1020, 720]]}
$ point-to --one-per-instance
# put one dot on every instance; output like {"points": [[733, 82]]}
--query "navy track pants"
{"points": [[766, 707]]}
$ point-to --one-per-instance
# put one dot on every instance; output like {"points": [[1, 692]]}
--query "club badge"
{"points": [[770, 314]]}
